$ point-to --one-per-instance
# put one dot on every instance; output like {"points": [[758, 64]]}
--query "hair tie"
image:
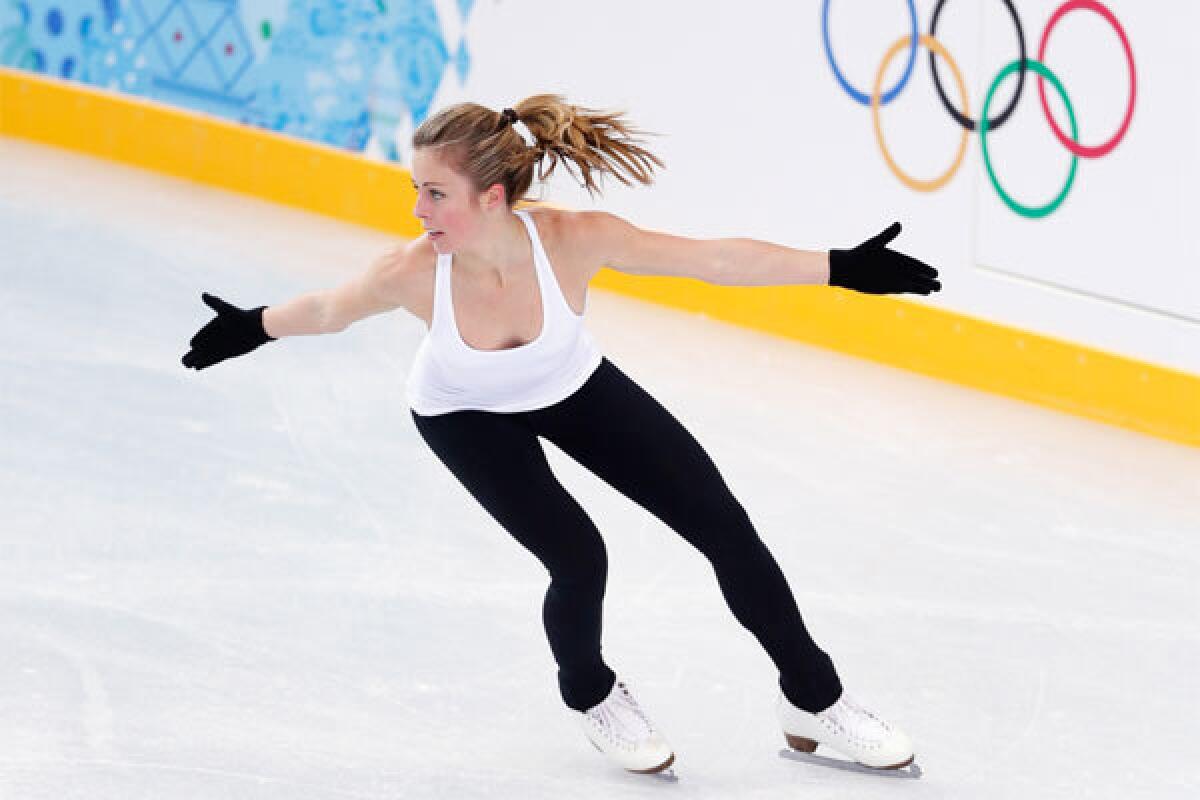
{"points": [[509, 116]]}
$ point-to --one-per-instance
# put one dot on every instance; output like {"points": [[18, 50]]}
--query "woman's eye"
{"points": [[435, 193]]}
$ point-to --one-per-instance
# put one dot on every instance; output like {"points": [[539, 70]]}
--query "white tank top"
{"points": [[450, 375]]}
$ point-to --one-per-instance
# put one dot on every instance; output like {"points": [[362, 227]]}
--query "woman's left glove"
{"points": [[872, 268]]}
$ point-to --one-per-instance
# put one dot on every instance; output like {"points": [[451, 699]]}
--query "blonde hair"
{"points": [[481, 144]]}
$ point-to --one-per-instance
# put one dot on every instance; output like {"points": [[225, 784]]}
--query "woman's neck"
{"points": [[501, 254]]}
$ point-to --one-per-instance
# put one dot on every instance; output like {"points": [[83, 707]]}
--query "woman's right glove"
{"points": [[233, 332]]}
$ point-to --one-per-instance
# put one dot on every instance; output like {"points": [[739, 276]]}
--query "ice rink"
{"points": [[255, 581]]}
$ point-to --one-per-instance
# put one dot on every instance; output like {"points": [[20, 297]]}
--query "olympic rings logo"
{"points": [[986, 124]]}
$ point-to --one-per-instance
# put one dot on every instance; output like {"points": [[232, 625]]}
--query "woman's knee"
{"points": [[720, 526], [584, 564]]}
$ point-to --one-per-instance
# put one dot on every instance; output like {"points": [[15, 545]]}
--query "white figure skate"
{"points": [[848, 728], [620, 729]]}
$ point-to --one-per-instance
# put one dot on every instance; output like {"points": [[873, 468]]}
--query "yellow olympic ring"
{"points": [[917, 184]]}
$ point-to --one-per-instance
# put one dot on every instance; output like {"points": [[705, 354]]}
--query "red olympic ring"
{"points": [[1087, 151]]}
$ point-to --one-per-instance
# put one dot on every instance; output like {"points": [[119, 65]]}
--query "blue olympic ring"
{"points": [[862, 97]]}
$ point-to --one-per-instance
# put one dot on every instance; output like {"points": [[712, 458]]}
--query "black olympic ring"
{"points": [[1003, 116]]}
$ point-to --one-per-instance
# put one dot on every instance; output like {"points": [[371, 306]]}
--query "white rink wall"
{"points": [[761, 141]]}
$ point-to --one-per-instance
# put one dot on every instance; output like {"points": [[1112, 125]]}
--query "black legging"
{"points": [[618, 431]]}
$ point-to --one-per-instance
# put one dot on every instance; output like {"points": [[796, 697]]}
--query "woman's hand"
{"points": [[871, 267], [233, 332]]}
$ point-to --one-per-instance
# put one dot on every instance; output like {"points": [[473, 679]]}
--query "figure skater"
{"points": [[507, 360]]}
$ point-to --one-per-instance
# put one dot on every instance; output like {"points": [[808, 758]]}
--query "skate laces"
{"points": [[856, 722], [620, 719]]}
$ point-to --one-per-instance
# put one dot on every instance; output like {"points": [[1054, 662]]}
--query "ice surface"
{"points": [[255, 581]]}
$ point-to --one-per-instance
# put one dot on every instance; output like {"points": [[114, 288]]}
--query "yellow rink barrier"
{"points": [[207, 149], [944, 344]]}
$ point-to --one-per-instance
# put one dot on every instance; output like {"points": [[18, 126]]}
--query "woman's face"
{"points": [[447, 205]]}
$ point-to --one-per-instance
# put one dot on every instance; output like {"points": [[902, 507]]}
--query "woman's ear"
{"points": [[493, 197]]}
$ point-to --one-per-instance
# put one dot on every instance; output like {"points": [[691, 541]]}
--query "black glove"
{"points": [[233, 332], [873, 268]]}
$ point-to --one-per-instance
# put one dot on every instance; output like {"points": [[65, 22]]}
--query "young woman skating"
{"points": [[507, 360]]}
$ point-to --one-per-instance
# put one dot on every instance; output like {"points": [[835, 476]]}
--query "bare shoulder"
{"points": [[404, 264], [581, 239], [579, 225], [417, 256], [407, 279], [400, 277]]}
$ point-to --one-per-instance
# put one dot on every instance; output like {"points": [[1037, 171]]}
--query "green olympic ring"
{"points": [[1031, 212]]}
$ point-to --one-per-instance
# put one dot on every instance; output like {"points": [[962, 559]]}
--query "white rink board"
{"points": [[761, 141]]}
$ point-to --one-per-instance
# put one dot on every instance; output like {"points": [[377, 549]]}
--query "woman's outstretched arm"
{"points": [[870, 267], [392, 281]]}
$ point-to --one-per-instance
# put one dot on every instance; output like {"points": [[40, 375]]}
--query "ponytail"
{"points": [[483, 144]]}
